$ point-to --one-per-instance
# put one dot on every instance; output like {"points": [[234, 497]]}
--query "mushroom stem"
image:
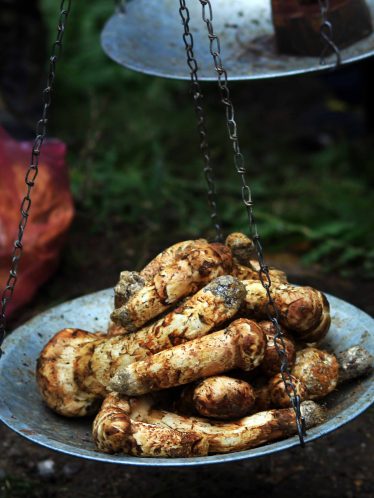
{"points": [[354, 362], [75, 367], [133, 426], [172, 283], [241, 345]]}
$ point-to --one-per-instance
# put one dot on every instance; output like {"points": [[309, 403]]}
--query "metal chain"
{"points": [[271, 307], [327, 34], [33, 169], [200, 114]]}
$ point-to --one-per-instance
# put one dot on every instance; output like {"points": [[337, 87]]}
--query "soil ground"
{"points": [[339, 465]]}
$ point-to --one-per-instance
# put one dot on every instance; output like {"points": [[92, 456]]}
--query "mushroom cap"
{"points": [[318, 370], [278, 393], [223, 397], [271, 363]]}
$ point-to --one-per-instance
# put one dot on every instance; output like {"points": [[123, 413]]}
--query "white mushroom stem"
{"points": [[115, 431], [241, 246], [172, 283], [241, 345], [75, 367], [133, 426], [354, 362], [169, 256], [243, 272]]}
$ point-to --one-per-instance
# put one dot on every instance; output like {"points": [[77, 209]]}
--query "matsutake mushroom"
{"points": [[271, 364], [133, 426], [130, 282], [170, 256], [183, 277], [241, 246], [318, 370], [321, 371], [315, 374], [241, 345], [218, 397], [251, 272], [244, 266], [304, 311], [75, 366]]}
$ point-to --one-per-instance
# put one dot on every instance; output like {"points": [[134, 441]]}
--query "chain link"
{"points": [[200, 115], [271, 308], [326, 34], [33, 169]]}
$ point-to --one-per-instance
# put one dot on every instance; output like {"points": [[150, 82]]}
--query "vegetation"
{"points": [[134, 157]]}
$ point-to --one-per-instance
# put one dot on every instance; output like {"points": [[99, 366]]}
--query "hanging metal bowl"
{"points": [[22, 409], [147, 38]]}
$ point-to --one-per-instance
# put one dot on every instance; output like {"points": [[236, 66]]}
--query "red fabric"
{"points": [[50, 216]]}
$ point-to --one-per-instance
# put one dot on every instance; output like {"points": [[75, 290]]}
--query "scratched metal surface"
{"points": [[23, 411], [148, 38]]}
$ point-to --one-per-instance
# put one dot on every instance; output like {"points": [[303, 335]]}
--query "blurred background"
{"points": [[135, 167], [130, 148]]}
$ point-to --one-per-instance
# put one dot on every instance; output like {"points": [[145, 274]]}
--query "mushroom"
{"points": [[241, 247], [271, 363], [133, 426], [315, 374], [169, 256], [354, 362], [318, 370], [118, 428], [218, 397], [75, 367], [304, 311], [241, 345], [173, 282], [251, 272]]}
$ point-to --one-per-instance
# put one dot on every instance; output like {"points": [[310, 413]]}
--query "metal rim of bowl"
{"points": [[129, 39], [22, 428]]}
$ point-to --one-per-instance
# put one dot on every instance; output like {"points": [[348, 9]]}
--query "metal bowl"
{"points": [[148, 38], [22, 410]]}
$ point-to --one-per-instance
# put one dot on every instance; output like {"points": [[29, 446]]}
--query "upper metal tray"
{"points": [[21, 407], [148, 38]]}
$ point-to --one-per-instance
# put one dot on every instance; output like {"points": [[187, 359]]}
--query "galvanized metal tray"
{"points": [[148, 38], [21, 407]]}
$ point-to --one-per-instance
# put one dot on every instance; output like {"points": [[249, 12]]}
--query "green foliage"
{"points": [[134, 158]]}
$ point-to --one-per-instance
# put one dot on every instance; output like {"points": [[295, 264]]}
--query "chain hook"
{"points": [[326, 33]]}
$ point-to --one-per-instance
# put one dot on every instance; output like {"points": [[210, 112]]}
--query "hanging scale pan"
{"points": [[146, 38], [21, 406], [22, 409]]}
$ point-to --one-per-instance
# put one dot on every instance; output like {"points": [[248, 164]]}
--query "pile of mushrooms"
{"points": [[188, 365]]}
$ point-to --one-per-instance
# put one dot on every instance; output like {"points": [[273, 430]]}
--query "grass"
{"points": [[134, 158]]}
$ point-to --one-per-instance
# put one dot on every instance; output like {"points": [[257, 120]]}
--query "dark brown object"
{"points": [[297, 24]]}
